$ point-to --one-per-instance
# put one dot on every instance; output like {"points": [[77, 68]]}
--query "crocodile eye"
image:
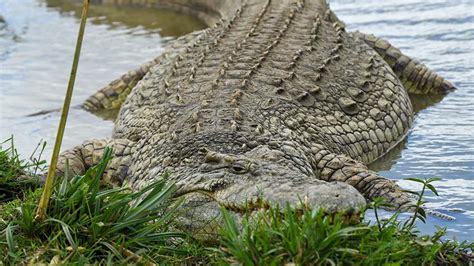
{"points": [[238, 168]]}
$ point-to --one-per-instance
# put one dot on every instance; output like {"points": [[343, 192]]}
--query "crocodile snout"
{"points": [[332, 198]]}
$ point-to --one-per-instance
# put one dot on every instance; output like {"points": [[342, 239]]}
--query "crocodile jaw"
{"points": [[202, 215], [242, 195]]}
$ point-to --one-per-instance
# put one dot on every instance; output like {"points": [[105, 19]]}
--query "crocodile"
{"points": [[274, 103]]}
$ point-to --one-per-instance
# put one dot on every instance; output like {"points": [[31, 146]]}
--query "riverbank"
{"points": [[89, 223]]}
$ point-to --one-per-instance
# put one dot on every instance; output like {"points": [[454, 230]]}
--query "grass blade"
{"points": [[66, 230], [10, 240]]}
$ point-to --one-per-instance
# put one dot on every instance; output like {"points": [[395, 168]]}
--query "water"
{"points": [[441, 35], [37, 43], [36, 47]]}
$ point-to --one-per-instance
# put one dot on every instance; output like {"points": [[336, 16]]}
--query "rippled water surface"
{"points": [[37, 40]]}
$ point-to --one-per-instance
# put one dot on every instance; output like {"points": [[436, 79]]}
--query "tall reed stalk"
{"points": [[43, 203]]}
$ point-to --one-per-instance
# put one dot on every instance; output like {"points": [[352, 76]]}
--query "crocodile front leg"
{"points": [[89, 153], [416, 77], [335, 167]]}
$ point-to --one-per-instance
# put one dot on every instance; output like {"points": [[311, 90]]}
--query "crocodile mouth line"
{"points": [[259, 204], [249, 206], [254, 206]]}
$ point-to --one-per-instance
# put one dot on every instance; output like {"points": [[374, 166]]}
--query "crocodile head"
{"points": [[259, 178]]}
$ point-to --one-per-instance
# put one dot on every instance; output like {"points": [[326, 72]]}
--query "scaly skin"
{"points": [[275, 103]]}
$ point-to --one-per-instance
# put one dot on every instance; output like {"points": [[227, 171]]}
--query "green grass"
{"points": [[277, 237], [88, 223], [16, 174]]}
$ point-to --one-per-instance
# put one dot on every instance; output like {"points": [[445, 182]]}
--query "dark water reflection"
{"points": [[36, 45], [164, 22]]}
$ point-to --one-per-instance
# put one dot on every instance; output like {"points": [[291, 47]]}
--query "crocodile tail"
{"points": [[114, 94], [415, 76]]}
